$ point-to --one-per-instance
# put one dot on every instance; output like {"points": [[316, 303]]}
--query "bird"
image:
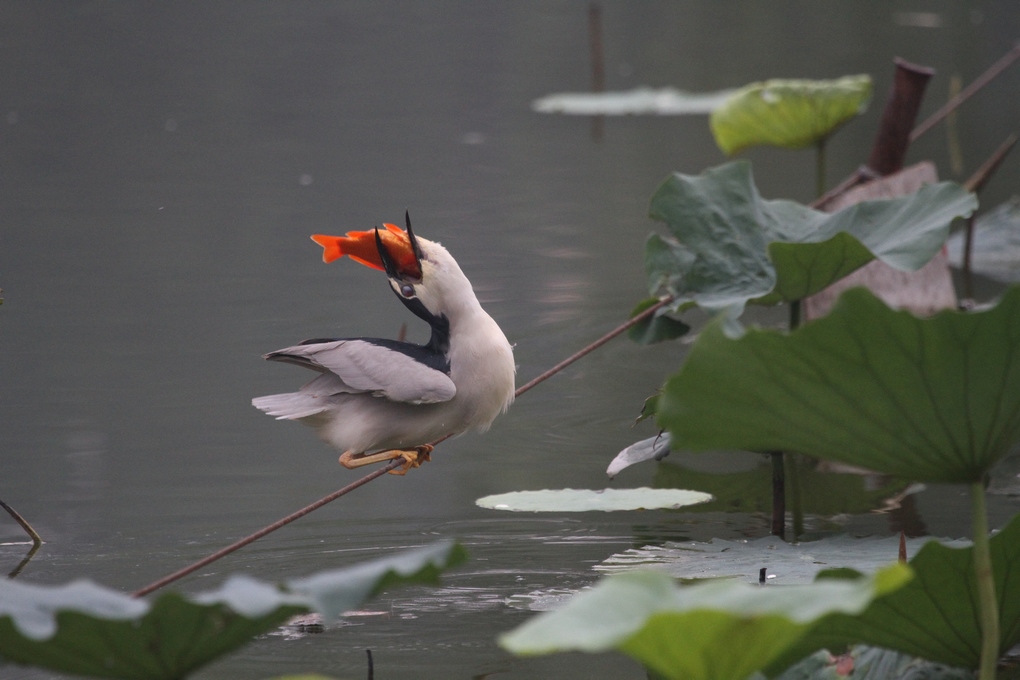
{"points": [[378, 399]]}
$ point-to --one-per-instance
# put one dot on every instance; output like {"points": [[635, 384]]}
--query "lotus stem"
{"points": [[968, 247], [793, 493], [779, 465], [987, 598], [36, 540], [778, 495]]}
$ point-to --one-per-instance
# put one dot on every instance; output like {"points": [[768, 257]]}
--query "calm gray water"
{"points": [[162, 167]]}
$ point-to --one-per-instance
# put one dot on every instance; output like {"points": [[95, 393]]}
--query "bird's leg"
{"points": [[412, 458]]}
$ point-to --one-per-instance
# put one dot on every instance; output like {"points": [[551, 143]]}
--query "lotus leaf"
{"points": [[934, 399], [722, 630], [789, 113], [666, 101], [935, 616], [587, 500], [730, 246], [86, 629]]}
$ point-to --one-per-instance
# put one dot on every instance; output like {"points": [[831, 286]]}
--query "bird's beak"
{"points": [[395, 264], [418, 255], [389, 263]]}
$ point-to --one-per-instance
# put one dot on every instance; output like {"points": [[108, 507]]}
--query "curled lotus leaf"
{"points": [[791, 114]]}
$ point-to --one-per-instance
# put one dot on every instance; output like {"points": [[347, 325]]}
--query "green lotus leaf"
{"points": [[730, 246], [720, 630], [85, 629], [934, 616], [788, 113], [587, 500], [933, 400]]}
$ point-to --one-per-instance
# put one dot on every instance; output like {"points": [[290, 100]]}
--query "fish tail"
{"points": [[331, 245]]}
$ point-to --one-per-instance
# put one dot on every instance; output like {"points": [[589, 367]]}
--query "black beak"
{"points": [[414, 242], [388, 263]]}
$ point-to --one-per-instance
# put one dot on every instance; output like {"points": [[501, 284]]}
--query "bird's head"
{"points": [[422, 273]]}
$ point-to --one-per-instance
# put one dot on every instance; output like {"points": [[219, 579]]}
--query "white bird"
{"points": [[392, 397]]}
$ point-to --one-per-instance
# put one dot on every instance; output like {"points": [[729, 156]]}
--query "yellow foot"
{"points": [[412, 458]]}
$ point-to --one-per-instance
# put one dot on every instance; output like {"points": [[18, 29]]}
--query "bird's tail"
{"points": [[290, 406]]}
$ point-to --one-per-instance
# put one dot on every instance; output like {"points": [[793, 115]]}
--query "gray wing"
{"points": [[363, 366]]}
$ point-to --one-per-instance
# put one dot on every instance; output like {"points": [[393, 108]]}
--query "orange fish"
{"points": [[361, 247]]}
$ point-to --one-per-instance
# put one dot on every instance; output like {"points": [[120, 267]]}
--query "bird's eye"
{"points": [[407, 290]]}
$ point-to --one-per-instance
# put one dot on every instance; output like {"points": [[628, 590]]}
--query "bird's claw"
{"points": [[413, 458]]}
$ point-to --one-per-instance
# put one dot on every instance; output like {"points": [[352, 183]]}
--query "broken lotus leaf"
{"points": [[730, 246], [587, 500], [720, 630], [85, 629], [788, 113], [931, 400]]}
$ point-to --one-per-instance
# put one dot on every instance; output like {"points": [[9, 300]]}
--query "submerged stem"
{"points": [[793, 493], [778, 495], [987, 598]]}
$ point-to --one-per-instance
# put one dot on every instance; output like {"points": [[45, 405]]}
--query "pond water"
{"points": [[162, 168]]}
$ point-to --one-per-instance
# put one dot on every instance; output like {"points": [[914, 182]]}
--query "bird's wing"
{"points": [[395, 370]]}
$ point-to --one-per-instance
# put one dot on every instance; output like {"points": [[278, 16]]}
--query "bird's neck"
{"points": [[439, 341]]}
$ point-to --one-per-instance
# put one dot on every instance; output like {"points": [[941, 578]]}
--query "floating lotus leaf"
{"points": [[935, 616], [85, 629], [789, 113], [730, 246], [934, 399], [587, 500], [666, 101], [785, 563], [722, 630]]}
